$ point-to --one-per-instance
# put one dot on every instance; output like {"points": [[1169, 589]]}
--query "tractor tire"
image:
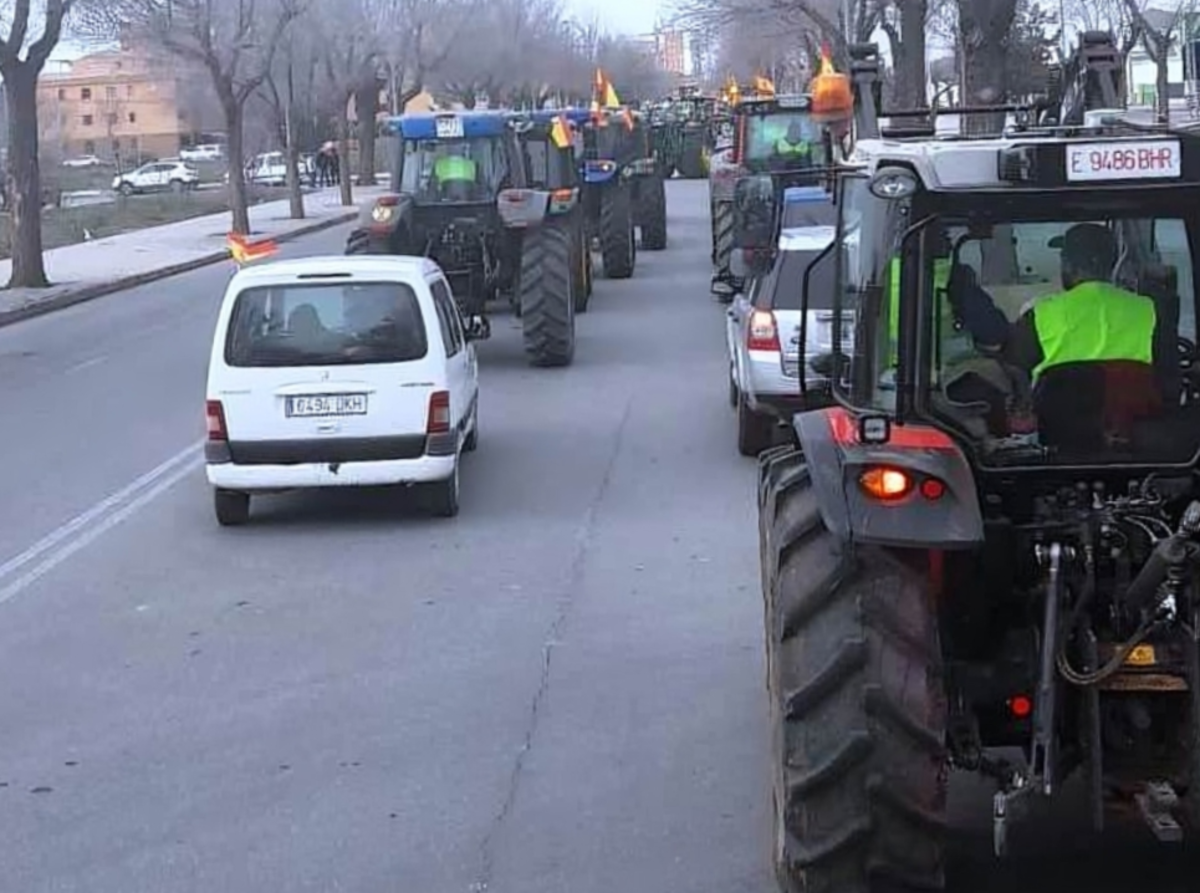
{"points": [[618, 246], [653, 214], [359, 242], [581, 264], [722, 235], [858, 713], [547, 297], [691, 158]]}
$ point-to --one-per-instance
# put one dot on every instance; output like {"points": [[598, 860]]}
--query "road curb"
{"points": [[101, 289]]}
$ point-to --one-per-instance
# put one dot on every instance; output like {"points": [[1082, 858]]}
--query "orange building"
{"points": [[671, 52], [128, 102]]}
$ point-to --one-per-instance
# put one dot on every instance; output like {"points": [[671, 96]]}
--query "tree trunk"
{"points": [[24, 181], [984, 26], [1162, 90], [343, 144], [237, 165], [295, 198], [366, 102]]}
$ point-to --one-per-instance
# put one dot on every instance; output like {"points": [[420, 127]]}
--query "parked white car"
{"points": [[83, 161], [270, 169], [339, 371], [206, 152], [156, 177], [764, 328]]}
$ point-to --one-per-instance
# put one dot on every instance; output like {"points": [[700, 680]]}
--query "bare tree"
{"points": [[22, 58], [1158, 31], [234, 40], [291, 77]]}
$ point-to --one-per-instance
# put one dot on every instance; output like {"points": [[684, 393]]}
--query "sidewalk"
{"points": [[93, 269]]}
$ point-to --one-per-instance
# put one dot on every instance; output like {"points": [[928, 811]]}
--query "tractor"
{"points": [[991, 542], [449, 173], [691, 130], [623, 187], [760, 127]]}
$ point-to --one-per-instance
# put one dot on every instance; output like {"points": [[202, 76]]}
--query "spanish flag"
{"points": [[604, 92], [244, 251], [627, 117], [560, 132], [764, 86]]}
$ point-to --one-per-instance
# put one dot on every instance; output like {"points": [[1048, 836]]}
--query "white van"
{"points": [[339, 371]]}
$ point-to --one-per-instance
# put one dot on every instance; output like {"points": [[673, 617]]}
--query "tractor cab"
{"points": [[455, 158]]}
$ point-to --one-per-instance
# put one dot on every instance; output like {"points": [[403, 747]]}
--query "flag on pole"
{"points": [[604, 92], [244, 251], [560, 133], [764, 86]]}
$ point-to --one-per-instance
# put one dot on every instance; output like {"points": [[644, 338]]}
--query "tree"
{"points": [[22, 59], [1158, 30], [234, 40]]}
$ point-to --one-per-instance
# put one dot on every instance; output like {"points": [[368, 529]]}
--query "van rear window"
{"points": [[321, 324], [788, 292]]}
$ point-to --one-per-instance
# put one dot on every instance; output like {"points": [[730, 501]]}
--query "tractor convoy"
{"points": [[511, 204]]}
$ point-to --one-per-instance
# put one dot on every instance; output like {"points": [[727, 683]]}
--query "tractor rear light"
{"points": [[763, 332], [515, 196], [214, 414], [886, 484], [439, 413], [1020, 706], [932, 489], [562, 195]]}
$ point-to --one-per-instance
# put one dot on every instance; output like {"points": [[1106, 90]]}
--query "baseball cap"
{"points": [[1087, 244]]}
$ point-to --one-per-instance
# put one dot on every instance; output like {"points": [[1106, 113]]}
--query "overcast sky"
{"points": [[623, 16]]}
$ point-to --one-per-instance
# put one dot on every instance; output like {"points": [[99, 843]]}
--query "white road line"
{"points": [[92, 533], [86, 364], [80, 522]]}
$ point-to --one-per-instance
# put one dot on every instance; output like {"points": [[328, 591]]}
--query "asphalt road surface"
{"points": [[560, 690]]}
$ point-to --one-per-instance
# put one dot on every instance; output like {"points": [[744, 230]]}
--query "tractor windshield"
{"points": [[779, 138], [463, 170], [1047, 328]]}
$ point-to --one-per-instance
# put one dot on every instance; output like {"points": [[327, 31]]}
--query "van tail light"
{"points": [[763, 333], [214, 414], [439, 413]]}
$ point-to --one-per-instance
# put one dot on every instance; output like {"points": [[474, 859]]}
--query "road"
{"points": [[561, 689]]}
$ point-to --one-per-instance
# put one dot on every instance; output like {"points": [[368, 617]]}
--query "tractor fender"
{"points": [[836, 459], [382, 218], [522, 208]]}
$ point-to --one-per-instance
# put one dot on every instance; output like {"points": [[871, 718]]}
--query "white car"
{"points": [[764, 328], [270, 169], [207, 152], [339, 371], [156, 177], [83, 161]]}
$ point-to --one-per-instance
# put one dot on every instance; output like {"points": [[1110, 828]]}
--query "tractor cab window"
{"points": [[547, 167], [466, 170], [781, 137], [1066, 340]]}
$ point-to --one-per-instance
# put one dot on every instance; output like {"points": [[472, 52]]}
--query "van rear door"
{"points": [[321, 360]]}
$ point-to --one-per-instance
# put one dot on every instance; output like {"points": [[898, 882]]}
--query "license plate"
{"points": [[449, 128], [1150, 160], [326, 405]]}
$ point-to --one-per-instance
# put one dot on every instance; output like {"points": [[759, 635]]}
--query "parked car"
{"points": [[83, 161], [764, 328], [339, 372], [205, 152], [270, 169], [156, 177]]}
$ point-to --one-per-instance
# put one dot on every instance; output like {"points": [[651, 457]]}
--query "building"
{"points": [[126, 104], [672, 52]]}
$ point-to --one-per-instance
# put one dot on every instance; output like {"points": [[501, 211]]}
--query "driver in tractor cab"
{"points": [[793, 149], [454, 173], [1089, 349]]}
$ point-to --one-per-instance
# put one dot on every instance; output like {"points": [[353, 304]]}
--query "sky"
{"points": [[619, 16]]}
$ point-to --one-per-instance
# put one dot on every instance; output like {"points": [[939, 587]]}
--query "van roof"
{"points": [[389, 266]]}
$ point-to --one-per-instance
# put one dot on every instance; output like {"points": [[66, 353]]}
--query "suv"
{"points": [[766, 323], [157, 176]]}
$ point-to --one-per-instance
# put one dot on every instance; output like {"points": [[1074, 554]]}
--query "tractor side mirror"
{"points": [[754, 209]]}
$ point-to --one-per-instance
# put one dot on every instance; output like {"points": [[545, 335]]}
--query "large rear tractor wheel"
{"points": [[691, 157], [857, 709], [617, 244], [547, 296], [581, 264], [653, 214], [722, 235]]}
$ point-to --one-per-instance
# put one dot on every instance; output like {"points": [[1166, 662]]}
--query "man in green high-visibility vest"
{"points": [[1090, 349], [942, 265], [455, 174], [793, 149]]}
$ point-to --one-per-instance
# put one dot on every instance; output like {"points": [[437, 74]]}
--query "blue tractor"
{"points": [[623, 187], [449, 171]]}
